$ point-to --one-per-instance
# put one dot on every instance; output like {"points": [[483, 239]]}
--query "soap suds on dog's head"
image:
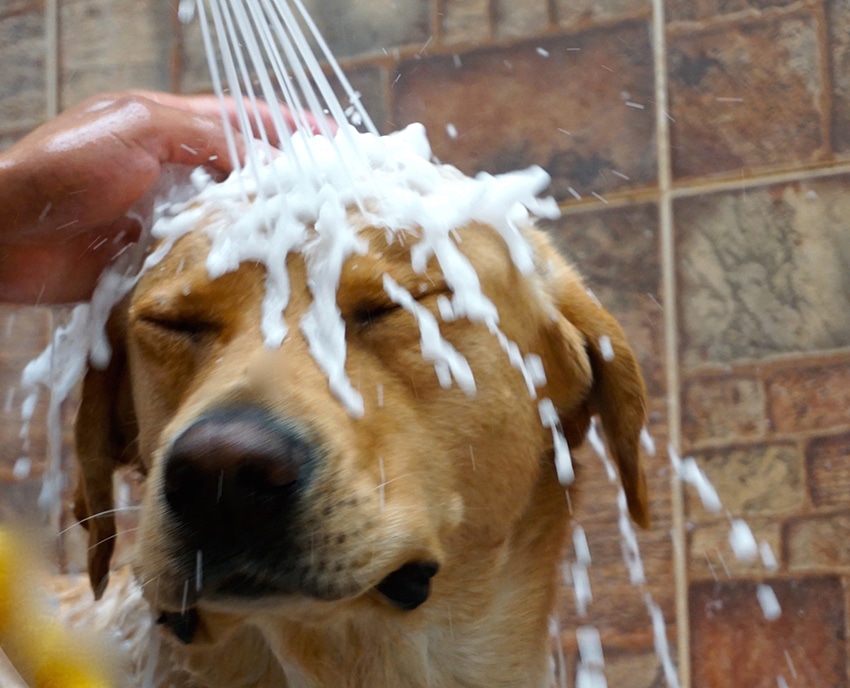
{"points": [[278, 209]]}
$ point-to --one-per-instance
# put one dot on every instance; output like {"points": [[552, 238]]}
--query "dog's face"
{"points": [[264, 492]]}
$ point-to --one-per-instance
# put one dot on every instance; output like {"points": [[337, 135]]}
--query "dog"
{"points": [[284, 541]]}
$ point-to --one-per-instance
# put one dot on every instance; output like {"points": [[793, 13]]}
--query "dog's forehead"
{"points": [[182, 275]]}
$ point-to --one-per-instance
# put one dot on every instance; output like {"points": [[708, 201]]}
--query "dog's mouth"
{"points": [[405, 588]]}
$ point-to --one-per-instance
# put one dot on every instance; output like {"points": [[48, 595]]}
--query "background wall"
{"points": [[699, 150]]}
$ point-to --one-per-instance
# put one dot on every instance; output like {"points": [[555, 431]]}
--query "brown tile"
{"points": [[520, 18], [564, 108], [818, 543], [723, 408], [465, 21], [690, 10], [617, 252], [572, 12], [763, 271], [710, 555], [745, 96], [22, 50], [838, 29], [761, 479], [828, 467], [635, 669], [810, 397], [733, 644]]}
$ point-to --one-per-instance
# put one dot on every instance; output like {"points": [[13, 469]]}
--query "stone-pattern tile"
{"points": [[22, 99], [760, 479], [690, 10], [572, 12], [818, 543], [112, 45], [579, 106], [710, 553], [733, 644], [368, 26], [617, 252], [465, 21], [722, 408], [520, 18], [810, 397], [838, 28], [745, 96], [763, 271], [828, 468]]}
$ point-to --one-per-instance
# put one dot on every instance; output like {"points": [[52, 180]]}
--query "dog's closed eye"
{"points": [[368, 314], [194, 329]]}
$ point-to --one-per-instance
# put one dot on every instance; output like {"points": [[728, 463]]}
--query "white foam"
{"points": [[689, 471], [742, 541], [581, 587], [770, 606], [628, 542], [768, 558], [563, 460], [580, 544], [606, 347]]}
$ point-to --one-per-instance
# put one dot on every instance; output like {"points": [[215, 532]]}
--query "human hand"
{"points": [[65, 188]]}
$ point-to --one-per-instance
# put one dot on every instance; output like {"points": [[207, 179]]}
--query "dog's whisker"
{"points": [[383, 484], [112, 537], [107, 512]]}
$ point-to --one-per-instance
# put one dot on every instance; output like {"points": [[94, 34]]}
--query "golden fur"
{"points": [[427, 474]]}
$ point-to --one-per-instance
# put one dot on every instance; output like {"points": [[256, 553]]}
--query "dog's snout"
{"points": [[235, 469]]}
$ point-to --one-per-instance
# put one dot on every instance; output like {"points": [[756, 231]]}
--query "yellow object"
{"points": [[44, 653]]}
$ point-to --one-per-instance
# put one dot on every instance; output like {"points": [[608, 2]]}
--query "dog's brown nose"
{"points": [[235, 472]]}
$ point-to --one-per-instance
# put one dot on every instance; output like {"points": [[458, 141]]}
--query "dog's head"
{"points": [[263, 490]]}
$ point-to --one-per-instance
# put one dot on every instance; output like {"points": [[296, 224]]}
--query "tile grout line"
{"points": [[51, 58], [668, 281]]}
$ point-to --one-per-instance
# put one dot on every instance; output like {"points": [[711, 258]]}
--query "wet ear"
{"points": [[105, 433], [617, 391]]}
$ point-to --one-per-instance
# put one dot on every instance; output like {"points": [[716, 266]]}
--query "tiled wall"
{"points": [[699, 149]]}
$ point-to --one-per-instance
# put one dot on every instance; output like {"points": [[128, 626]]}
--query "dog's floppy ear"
{"points": [[618, 392], [105, 435]]}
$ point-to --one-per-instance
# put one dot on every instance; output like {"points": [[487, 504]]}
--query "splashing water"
{"points": [[274, 205]]}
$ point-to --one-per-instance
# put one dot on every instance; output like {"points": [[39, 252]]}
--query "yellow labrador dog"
{"points": [[285, 542]]}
